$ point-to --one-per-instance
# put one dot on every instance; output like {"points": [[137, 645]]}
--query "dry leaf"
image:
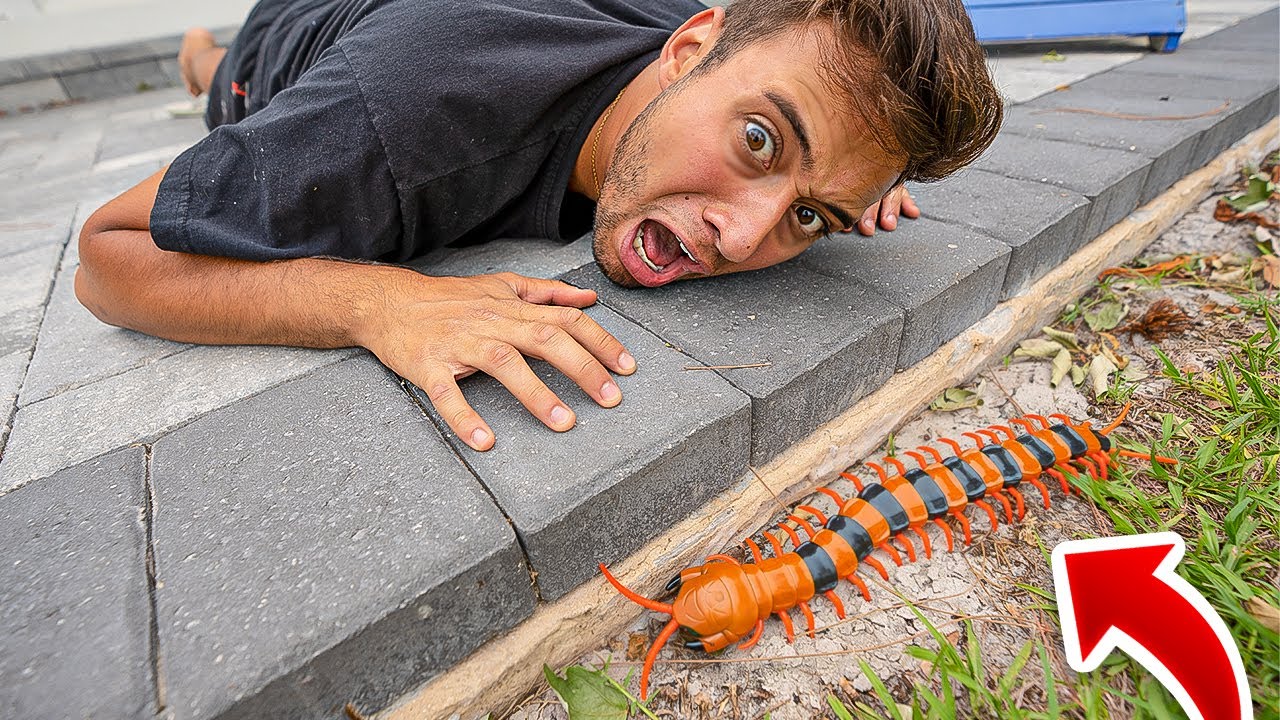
{"points": [[955, 398], [1119, 361], [1061, 366], [1263, 612], [1105, 315], [1037, 348], [1065, 339], [637, 646], [1133, 373], [1269, 265], [1100, 370], [1163, 319], [1161, 267], [1078, 374]]}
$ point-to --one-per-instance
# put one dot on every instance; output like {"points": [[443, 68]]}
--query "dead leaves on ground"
{"points": [[1162, 320]]}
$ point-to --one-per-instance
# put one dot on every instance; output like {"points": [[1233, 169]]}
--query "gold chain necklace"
{"points": [[595, 141]]}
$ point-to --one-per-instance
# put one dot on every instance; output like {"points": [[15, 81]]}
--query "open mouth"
{"points": [[655, 255]]}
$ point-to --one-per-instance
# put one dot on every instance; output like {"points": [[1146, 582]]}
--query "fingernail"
{"points": [[626, 362], [890, 217], [559, 415], [479, 437], [609, 391]]}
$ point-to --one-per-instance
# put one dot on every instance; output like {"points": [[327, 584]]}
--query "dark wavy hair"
{"points": [[911, 69]]}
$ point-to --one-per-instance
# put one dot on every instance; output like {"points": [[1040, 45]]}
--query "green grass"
{"points": [[1223, 498]]}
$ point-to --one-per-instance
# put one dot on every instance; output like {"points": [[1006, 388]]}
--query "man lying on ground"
{"points": [[351, 134]]}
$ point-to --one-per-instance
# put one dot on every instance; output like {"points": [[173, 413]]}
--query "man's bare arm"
{"points": [[430, 330]]}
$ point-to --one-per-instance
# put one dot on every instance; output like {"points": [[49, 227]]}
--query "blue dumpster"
{"points": [[1162, 21]]}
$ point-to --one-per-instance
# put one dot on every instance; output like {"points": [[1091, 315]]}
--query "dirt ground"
{"points": [[791, 681]]}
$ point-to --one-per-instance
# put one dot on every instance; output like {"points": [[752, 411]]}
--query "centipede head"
{"points": [[714, 603]]}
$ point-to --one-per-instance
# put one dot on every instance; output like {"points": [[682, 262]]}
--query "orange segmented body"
{"points": [[723, 601]]}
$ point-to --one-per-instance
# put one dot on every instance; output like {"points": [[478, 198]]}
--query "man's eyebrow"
{"points": [[792, 115]]}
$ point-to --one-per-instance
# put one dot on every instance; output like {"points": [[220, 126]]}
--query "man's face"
{"points": [[737, 168]]}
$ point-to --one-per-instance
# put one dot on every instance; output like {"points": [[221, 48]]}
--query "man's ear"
{"points": [[689, 44]]}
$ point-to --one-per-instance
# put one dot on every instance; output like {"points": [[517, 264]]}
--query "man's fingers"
{"points": [[555, 345], [505, 363], [867, 225], [909, 207], [549, 292], [442, 389], [889, 208], [588, 333]]}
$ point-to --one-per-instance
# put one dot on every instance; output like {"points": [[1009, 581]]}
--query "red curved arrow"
{"points": [[1122, 592]]}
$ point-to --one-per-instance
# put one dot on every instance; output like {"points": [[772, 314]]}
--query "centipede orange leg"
{"points": [[835, 496], [896, 465], [862, 587], [1024, 424], [891, 552], [917, 457], [932, 452], [755, 636], [857, 482], [1044, 422], [991, 513], [1008, 510], [773, 543], [976, 438], [955, 446], [964, 524], [1103, 461], [924, 540], [822, 519], [946, 530], [1062, 479], [808, 617], [835, 601], [667, 631], [906, 544], [1044, 491], [875, 565], [808, 529], [879, 471], [1017, 498], [755, 550], [787, 626], [795, 539]]}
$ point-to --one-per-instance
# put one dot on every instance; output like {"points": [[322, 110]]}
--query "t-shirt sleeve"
{"points": [[307, 175]]}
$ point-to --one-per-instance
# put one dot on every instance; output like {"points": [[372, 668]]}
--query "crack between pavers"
{"points": [[148, 518], [71, 387], [444, 432], [44, 310]]}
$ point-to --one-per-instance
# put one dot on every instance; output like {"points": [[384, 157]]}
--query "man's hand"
{"points": [[434, 330], [430, 330], [896, 202]]}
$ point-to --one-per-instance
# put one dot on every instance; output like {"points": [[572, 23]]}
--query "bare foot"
{"points": [[194, 42]]}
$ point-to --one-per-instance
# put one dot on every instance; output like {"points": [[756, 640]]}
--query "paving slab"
{"points": [[25, 279], [1170, 145], [75, 614], [12, 368], [1254, 33], [1112, 180], [129, 133], [1242, 102], [1043, 227], [141, 404], [75, 349], [23, 229], [324, 536], [534, 257], [829, 341], [621, 476], [945, 277]]}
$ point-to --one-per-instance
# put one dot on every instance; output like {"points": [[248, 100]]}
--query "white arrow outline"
{"points": [[1116, 638]]}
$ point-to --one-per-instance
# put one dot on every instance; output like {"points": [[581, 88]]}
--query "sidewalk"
{"points": [[273, 532]]}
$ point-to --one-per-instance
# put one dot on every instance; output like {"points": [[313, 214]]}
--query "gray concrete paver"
{"points": [[532, 257], [25, 230], [75, 349], [588, 495], [1042, 228], [944, 277], [74, 606], [829, 341], [143, 403], [324, 534], [1113, 180]]}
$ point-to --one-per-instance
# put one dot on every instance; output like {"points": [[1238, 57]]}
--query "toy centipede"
{"points": [[723, 600]]}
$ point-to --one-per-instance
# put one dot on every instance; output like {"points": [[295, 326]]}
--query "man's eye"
{"points": [[810, 221], [760, 143]]}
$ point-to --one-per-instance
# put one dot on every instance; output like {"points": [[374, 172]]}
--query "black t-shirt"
{"points": [[420, 124]]}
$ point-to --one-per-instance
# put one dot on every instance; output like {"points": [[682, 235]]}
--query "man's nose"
{"points": [[745, 224]]}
